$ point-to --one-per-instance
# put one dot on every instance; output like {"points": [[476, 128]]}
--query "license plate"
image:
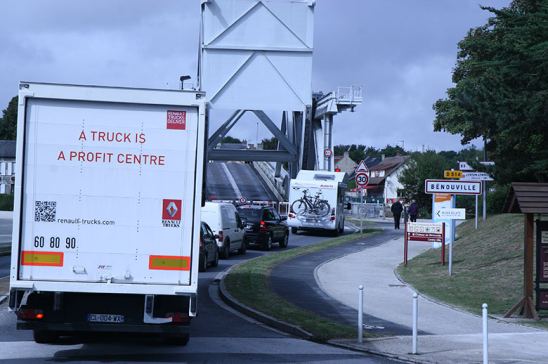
{"points": [[105, 317]]}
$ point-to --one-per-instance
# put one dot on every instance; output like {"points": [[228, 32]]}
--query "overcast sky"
{"points": [[401, 51]]}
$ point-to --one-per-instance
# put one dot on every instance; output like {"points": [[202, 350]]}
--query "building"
{"points": [[384, 184], [7, 166], [345, 163]]}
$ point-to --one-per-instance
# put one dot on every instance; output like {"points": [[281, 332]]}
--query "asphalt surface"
{"points": [[218, 335], [234, 180], [295, 281], [4, 265]]}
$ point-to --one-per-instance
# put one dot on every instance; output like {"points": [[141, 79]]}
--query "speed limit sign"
{"points": [[362, 179], [327, 153]]}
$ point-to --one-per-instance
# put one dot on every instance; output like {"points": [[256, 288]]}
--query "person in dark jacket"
{"points": [[413, 211], [396, 209]]}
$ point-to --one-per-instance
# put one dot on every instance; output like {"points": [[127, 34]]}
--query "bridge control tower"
{"points": [[319, 133]]}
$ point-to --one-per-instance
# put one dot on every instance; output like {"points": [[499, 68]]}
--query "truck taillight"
{"points": [[30, 314], [332, 218], [178, 317], [291, 215]]}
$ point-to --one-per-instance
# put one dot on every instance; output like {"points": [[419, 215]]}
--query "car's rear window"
{"points": [[250, 214]]}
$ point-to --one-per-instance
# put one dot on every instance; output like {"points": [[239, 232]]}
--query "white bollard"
{"points": [[485, 334], [415, 320], [360, 314]]}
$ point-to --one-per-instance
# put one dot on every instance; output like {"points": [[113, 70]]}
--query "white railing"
{"points": [[350, 95]]}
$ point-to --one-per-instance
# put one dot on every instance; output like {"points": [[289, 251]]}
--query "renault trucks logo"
{"points": [[176, 120], [171, 213]]}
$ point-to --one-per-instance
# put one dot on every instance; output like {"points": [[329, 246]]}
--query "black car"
{"points": [[263, 226], [209, 252]]}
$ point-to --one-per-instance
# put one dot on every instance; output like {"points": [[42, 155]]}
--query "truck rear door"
{"points": [[108, 191]]}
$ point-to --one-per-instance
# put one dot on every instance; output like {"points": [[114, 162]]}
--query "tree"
{"points": [[230, 140], [501, 91], [270, 144], [420, 167], [8, 122]]}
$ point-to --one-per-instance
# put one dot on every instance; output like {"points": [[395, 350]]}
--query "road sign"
{"points": [[424, 231], [487, 163], [327, 153], [362, 179], [362, 167], [476, 176], [463, 166], [452, 174], [453, 187], [451, 214]]}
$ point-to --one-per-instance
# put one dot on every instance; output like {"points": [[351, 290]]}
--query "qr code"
{"points": [[45, 211]]}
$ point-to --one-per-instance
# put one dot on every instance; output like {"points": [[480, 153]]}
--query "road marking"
{"points": [[197, 345], [231, 180]]}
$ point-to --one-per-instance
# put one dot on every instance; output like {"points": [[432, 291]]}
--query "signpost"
{"points": [[362, 180], [424, 231], [452, 187], [542, 265], [452, 174], [476, 176], [452, 214]]}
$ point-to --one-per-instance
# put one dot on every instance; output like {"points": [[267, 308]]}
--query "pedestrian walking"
{"points": [[413, 211], [396, 209]]}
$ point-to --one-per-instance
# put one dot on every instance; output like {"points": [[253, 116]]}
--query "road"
{"points": [[219, 334]]}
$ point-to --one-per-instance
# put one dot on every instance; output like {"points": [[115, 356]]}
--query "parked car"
{"points": [[264, 226], [225, 222], [209, 251]]}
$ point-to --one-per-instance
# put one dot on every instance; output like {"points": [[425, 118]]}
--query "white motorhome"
{"points": [[316, 201], [107, 210]]}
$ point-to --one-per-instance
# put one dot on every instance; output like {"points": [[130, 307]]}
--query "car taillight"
{"points": [[332, 218], [291, 215], [332, 215], [221, 236], [201, 242], [262, 226], [30, 314]]}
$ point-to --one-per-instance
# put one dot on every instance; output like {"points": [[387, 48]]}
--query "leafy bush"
{"points": [[6, 202]]}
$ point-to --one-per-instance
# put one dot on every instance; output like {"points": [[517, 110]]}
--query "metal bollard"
{"points": [[485, 334], [415, 320], [360, 314]]}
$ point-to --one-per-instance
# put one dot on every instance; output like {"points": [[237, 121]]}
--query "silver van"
{"points": [[224, 220]]}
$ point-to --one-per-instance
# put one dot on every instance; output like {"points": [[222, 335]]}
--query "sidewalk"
{"points": [[452, 335]]}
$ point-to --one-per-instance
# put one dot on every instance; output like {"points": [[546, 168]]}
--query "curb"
{"points": [[355, 347], [259, 316], [293, 329]]}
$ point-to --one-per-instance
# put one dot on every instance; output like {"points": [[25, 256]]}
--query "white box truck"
{"points": [[107, 210], [316, 201]]}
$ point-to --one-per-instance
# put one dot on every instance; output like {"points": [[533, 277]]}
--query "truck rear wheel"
{"points": [[45, 336], [179, 340]]}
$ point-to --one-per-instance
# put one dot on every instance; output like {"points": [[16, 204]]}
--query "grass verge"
{"points": [[249, 284], [487, 267]]}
